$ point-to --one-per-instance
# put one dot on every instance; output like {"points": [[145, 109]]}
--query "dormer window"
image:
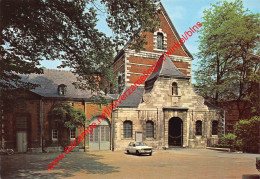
{"points": [[160, 42], [174, 89], [62, 90]]}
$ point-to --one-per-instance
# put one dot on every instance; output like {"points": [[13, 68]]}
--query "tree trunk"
{"points": [[218, 81]]}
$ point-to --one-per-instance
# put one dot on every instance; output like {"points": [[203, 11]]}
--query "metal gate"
{"points": [[100, 137]]}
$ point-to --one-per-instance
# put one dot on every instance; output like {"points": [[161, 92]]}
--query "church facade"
{"points": [[164, 111]]}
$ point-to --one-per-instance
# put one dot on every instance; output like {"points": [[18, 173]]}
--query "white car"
{"points": [[139, 148]]}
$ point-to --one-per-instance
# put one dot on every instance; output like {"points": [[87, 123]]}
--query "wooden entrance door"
{"points": [[21, 141], [175, 132]]}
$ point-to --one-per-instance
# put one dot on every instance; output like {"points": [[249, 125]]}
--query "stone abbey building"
{"points": [[164, 111]]}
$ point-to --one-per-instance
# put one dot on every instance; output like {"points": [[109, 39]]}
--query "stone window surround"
{"points": [[150, 138], [123, 137], [201, 130], [178, 89], [155, 40]]}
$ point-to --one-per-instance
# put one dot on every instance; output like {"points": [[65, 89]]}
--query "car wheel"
{"points": [[127, 151], [150, 153], [137, 152]]}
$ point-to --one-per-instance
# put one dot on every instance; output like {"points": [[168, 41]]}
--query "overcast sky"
{"points": [[184, 14]]}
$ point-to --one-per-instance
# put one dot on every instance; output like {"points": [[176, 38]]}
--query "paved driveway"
{"points": [[178, 163]]}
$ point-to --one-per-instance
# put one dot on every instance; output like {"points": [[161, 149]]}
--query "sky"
{"points": [[184, 14]]}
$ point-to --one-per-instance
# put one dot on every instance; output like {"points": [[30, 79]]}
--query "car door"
{"points": [[133, 148]]}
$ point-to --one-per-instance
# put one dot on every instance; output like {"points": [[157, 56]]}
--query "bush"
{"points": [[227, 141], [248, 134]]}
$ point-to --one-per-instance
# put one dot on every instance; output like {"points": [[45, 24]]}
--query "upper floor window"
{"points": [[62, 90], [214, 127], [128, 129], [199, 127], [174, 88], [73, 133], [119, 84], [149, 129], [160, 40]]}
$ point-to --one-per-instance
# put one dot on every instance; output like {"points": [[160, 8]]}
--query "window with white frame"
{"points": [[62, 90], [54, 134], [73, 133], [160, 41]]}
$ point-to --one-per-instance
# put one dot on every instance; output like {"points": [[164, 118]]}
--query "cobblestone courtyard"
{"points": [[177, 163]]}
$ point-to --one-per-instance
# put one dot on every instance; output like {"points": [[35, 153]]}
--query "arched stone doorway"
{"points": [[100, 137], [175, 132]]}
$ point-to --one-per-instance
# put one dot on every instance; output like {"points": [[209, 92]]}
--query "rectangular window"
{"points": [[73, 133], [160, 41], [127, 129], [54, 134], [199, 127], [102, 131], [107, 133], [149, 129]]}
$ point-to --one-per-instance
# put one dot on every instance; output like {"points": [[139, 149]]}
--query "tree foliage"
{"points": [[227, 38], [248, 134], [33, 30], [67, 116]]}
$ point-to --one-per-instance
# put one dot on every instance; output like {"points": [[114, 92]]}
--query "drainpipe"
{"points": [[85, 125], [112, 127], [41, 122], [224, 122], [157, 125], [164, 129]]}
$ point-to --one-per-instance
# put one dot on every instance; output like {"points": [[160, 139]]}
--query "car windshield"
{"points": [[140, 144]]}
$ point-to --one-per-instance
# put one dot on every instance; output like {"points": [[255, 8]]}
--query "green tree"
{"points": [[67, 116], [227, 38], [248, 135], [33, 30]]}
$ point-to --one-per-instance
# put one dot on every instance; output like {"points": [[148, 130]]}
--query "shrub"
{"points": [[228, 141], [248, 134]]}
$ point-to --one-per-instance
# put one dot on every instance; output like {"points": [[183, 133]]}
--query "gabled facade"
{"points": [[129, 65], [164, 111]]}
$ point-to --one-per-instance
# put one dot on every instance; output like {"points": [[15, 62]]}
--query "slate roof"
{"points": [[133, 100], [51, 79], [167, 69]]}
